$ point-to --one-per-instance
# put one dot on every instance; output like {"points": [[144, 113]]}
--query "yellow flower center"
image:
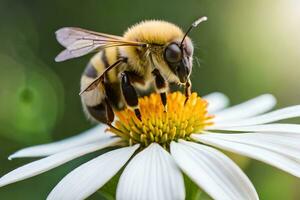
{"points": [[162, 125]]}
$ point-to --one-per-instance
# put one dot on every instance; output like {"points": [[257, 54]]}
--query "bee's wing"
{"points": [[79, 42]]}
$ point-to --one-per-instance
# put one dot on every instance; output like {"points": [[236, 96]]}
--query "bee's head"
{"points": [[179, 58], [170, 49], [178, 54]]}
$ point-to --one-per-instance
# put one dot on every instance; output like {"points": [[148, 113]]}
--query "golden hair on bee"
{"points": [[150, 54], [153, 32], [156, 33]]}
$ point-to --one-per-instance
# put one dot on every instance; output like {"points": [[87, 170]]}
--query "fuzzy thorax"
{"points": [[153, 32], [157, 34], [163, 125]]}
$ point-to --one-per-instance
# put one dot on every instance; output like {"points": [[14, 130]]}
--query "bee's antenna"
{"points": [[194, 24]]}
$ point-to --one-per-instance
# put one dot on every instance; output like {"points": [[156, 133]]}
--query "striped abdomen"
{"points": [[94, 99]]}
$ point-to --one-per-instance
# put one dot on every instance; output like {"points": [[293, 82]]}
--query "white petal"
{"points": [[216, 101], [151, 174], [285, 144], [55, 160], [266, 128], [284, 113], [89, 177], [252, 107], [86, 137], [211, 170], [277, 150]]}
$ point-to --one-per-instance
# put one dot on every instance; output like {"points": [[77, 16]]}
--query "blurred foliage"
{"points": [[245, 49], [192, 191]]}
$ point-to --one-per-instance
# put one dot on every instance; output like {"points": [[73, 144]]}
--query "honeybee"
{"points": [[150, 53]]}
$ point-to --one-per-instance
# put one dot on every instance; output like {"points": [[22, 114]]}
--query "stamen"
{"points": [[179, 120]]}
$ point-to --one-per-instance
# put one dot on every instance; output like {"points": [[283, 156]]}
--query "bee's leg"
{"points": [[129, 93], [109, 100], [161, 86], [110, 115], [188, 90]]}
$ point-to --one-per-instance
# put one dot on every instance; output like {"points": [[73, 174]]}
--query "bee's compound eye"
{"points": [[173, 53]]}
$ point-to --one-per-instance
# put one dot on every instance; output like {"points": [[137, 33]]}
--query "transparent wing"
{"points": [[79, 42]]}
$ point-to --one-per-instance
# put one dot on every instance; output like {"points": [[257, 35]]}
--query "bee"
{"points": [[150, 53]]}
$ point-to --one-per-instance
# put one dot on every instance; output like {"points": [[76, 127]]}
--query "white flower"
{"points": [[157, 152]]}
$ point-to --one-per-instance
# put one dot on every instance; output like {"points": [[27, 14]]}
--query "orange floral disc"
{"points": [[178, 120]]}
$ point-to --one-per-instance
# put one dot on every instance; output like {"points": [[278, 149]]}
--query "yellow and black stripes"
{"points": [[105, 63], [100, 62], [109, 90]]}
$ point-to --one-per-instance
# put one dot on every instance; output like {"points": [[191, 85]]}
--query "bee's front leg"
{"points": [[188, 90], [161, 86], [129, 93]]}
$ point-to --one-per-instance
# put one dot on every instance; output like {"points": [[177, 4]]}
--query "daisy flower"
{"points": [[156, 150]]}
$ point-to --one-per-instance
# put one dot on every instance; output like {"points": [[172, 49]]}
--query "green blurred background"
{"points": [[245, 49]]}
